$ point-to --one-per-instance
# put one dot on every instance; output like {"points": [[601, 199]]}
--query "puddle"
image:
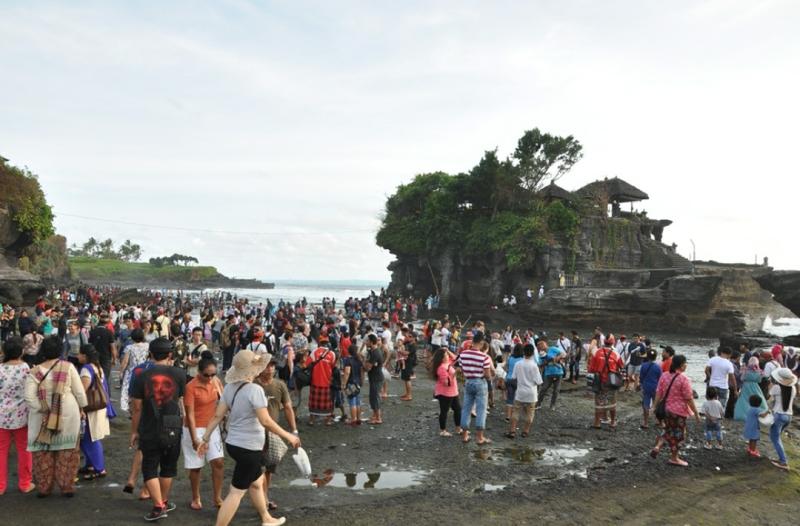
{"points": [[494, 487], [551, 456], [359, 481]]}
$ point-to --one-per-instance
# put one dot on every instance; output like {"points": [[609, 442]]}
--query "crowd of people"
{"points": [[208, 377]]}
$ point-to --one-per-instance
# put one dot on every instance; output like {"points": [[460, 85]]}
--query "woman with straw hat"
{"points": [[246, 406], [782, 394]]}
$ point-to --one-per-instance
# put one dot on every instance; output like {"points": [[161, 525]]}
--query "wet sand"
{"points": [[403, 471]]}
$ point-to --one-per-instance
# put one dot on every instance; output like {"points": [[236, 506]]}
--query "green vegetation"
{"points": [[93, 248], [24, 197], [496, 206], [94, 269]]}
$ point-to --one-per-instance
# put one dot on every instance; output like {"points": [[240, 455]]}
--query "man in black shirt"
{"points": [[374, 367], [103, 341], [157, 423]]}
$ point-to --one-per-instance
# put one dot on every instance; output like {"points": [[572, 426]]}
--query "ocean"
{"points": [[312, 291]]}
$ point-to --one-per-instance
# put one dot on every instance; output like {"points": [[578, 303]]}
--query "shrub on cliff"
{"points": [[25, 199], [494, 207]]}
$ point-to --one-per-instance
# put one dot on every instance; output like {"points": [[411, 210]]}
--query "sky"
{"points": [[264, 137]]}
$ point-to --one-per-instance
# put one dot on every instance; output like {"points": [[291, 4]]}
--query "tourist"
{"points": [[353, 380], [157, 425], [782, 394], [149, 330], [666, 359], [228, 339], [14, 415], [55, 398], [97, 425], [320, 397], [374, 367], [278, 400], [575, 354], [135, 354], [733, 397], [410, 360], [446, 389], [516, 356], [31, 343], [73, 342], [200, 402], [195, 349], [752, 427], [527, 378], [476, 367], [285, 357], [650, 374], [636, 353], [713, 411], [103, 340], [552, 361], [676, 389], [751, 385], [720, 371], [603, 363], [246, 407], [773, 361]]}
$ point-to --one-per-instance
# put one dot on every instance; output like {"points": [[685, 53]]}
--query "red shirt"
{"points": [[597, 364], [665, 365], [323, 372], [344, 346]]}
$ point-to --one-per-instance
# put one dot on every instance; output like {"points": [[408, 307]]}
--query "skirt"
{"points": [[320, 402], [605, 399], [674, 430]]}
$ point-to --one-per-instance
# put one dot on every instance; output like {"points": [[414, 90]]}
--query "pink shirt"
{"points": [[446, 384], [679, 395]]}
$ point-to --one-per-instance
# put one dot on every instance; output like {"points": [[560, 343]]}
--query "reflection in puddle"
{"points": [[357, 481], [553, 456], [494, 487]]}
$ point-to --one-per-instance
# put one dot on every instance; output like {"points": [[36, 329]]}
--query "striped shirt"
{"points": [[473, 362]]}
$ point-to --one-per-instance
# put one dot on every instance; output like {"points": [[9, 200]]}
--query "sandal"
{"points": [[196, 507], [655, 451], [128, 489], [445, 434], [680, 462], [778, 465], [524, 434], [95, 475], [465, 438], [485, 441], [271, 506], [511, 434]]}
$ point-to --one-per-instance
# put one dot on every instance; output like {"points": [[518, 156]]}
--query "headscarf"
{"points": [[777, 353], [753, 365]]}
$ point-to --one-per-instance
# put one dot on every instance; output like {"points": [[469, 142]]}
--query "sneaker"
{"points": [[754, 453], [170, 506], [157, 513]]}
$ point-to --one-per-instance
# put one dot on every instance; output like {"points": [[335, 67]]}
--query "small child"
{"points": [[714, 412], [752, 432]]}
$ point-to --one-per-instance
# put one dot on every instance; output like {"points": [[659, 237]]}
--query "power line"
{"points": [[212, 231]]}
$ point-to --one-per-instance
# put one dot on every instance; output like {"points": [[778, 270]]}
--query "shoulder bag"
{"points": [[96, 394], [661, 408], [223, 428]]}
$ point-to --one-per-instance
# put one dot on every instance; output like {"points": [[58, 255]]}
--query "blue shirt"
{"points": [[512, 361], [751, 424], [552, 368], [650, 374]]}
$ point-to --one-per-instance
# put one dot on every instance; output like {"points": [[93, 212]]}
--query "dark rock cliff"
{"points": [[16, 286]]}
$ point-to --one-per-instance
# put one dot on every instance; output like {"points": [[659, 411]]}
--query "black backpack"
{"points": [[169, 423]]}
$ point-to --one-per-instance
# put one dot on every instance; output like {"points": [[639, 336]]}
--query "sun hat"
{"points": [[246, 366], [784, 376]]}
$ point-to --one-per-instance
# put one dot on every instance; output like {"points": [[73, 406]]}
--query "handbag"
{"points": [[96, 394], [614, 381], [661, 408], [274, 451], [352, 390]]}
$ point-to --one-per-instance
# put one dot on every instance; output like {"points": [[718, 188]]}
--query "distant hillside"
{"points": [[116, 272]]}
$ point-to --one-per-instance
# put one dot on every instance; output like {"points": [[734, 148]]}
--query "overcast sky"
{"points": [[295, 120]]}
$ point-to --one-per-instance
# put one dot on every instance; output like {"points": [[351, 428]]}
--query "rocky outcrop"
{"points": [[785, 287], [17, 287]]}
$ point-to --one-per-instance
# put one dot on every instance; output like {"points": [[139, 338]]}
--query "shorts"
{"points": [[634, 369], [248, 466], [190, 458], [527, 407], [354, 401], [407, 372], [511, 392], [158, 461], [647, 399]]}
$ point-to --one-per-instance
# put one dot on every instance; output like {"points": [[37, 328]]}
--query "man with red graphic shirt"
{"points": [[157, 424]]}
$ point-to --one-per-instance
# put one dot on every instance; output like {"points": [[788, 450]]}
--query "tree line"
{"points": [[93, 248]]}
